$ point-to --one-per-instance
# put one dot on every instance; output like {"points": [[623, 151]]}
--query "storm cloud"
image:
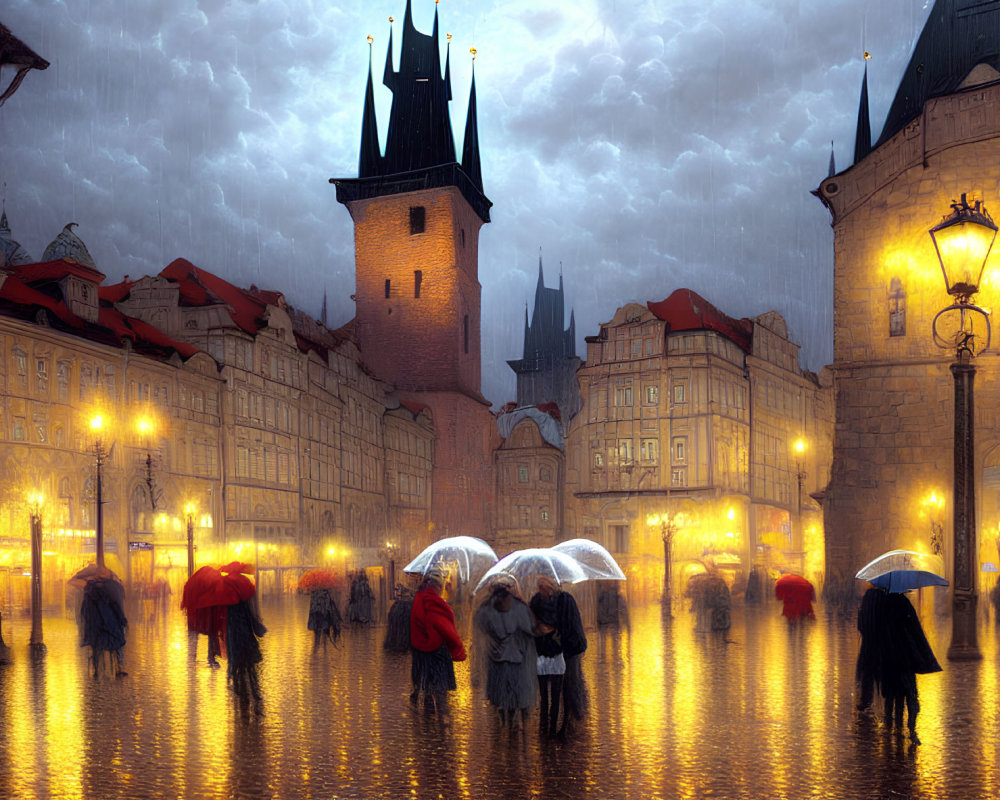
{"points": [[640, 146]]}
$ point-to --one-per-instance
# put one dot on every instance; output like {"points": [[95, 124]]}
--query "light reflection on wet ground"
{"points": [[764, 711]]}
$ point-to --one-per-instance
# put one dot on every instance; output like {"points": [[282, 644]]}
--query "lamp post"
{"points": [[189, 518], [36, 646], [800, 476], [962, 241], [97, 425], [146, 426], [668, 527]]}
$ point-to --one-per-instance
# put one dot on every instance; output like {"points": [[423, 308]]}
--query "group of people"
{"points": [[529, 649]]}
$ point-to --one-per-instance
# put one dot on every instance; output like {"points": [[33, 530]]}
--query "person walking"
{"points": [[509, 628], [551, 664], [907, 654], [324, 617], [435, 644], [573, 638], [872, 625], [103, 616]]}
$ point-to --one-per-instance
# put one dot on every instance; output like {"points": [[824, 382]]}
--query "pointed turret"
{"points": [[67, 245], [419, 136], [11, 252], [833, 163], [958, 37], [470, 147], [370, 160], [863, 137]]}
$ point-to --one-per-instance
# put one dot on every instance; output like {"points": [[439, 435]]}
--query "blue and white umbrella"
{"points": [[903, 570]]}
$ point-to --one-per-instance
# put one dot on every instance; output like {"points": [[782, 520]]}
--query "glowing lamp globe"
{"points": [[963, 241]]}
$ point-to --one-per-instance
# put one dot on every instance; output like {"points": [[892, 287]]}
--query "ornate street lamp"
{"points": [[963, 241], [668, 527], [189, 517], [36, 646], [97, 426]]}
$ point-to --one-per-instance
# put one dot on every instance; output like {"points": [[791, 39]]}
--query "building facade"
{"points": [[891, 482]]}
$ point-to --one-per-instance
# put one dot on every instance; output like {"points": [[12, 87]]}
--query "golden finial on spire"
{"points": [[371, 39], [868, 56], [391, 20], [473, 51], [447, 36]]}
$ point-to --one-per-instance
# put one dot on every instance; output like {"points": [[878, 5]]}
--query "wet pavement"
{"points": [[765, 710]]}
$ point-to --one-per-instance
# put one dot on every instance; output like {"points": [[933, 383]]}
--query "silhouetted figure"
{"points": [[324, 617], [397, 629], [243, 631], [4, 649], [908, 654], [894, 650], [611, 606], [102, 614], [361, 605]]}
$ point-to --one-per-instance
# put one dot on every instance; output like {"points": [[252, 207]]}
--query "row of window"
{"points": [[648, 450]]}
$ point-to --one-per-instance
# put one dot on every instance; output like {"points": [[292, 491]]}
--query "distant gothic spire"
{"points": [[833, 163], [863, 137]]}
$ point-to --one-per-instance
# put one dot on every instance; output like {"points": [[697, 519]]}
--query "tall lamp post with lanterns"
{"points": [[962, 241], [36, 645], [668, 527], [97, 426], [189, 519]]}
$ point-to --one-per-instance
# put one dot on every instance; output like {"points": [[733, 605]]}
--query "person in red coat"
{"points": [[435, 644]]}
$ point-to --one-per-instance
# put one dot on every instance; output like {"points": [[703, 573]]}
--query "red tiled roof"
{"points": [[115, 292], [686, 310], [196, 285], [54, 271], [14, 290]]}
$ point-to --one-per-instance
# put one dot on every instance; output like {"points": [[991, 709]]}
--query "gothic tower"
{"points": [[417, 212], [546, 373], [893, 447]]}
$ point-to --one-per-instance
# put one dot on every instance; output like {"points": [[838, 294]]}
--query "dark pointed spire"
{"points": [[419, 136], [541, 279], [470, 147], [389, 74], [863, 137], [833, 163], [370, 159], [322, 313]]}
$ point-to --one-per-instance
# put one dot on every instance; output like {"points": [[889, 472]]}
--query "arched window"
{"points": [[897, 308]]}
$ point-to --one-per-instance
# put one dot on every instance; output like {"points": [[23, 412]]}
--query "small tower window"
{"points": [[463, 237], [388, 287], [418, 219], [465, 333], [897, 308], [418, 276]]}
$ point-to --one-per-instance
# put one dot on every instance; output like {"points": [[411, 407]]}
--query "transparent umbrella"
{"points": [[470, 556], [527, 565], [596, 561], [903, 570]]}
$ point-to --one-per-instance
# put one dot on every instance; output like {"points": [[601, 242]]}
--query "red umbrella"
{"points": [[797, 594], [318, 579]]}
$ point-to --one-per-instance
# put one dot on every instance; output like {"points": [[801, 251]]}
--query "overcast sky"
{"points": [[642, 145]]}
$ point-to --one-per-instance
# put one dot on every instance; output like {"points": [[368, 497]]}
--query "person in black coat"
{"points": [[907, 655], [573, 639], [894, 650]]}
